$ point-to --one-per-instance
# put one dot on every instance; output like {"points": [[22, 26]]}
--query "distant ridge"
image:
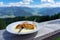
{"points": [[26, 11]]}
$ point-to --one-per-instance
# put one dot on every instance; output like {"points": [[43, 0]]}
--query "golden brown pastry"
{"points": [[18, 26], [25, 25], [28, 26]]}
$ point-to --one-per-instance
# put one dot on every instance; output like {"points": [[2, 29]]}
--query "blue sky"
{"points": [[30, 3], [8, 1], [14, 1]]}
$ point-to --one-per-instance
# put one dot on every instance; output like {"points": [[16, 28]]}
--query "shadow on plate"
{"points": [[9, 36]]}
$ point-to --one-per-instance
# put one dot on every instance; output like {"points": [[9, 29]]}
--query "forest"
{"points": [[6, 21]]}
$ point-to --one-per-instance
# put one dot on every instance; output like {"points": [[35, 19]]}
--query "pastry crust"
{"points": [[25, 25], [18, 26]]}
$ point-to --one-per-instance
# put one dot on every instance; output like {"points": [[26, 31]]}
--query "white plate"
{"points": [[10, 27]]}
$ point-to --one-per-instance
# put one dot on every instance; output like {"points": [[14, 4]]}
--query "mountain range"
{"points": [[26, 11]]}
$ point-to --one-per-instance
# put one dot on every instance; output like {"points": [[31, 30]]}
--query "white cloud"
{"points": [[58, 4], [1, 3], [48, 1], [47, 5], [26, 3], [15, 4], [28, 0], [21, 3]]}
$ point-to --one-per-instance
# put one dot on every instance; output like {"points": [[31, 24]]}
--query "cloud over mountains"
{"points": [[27, 3]]}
